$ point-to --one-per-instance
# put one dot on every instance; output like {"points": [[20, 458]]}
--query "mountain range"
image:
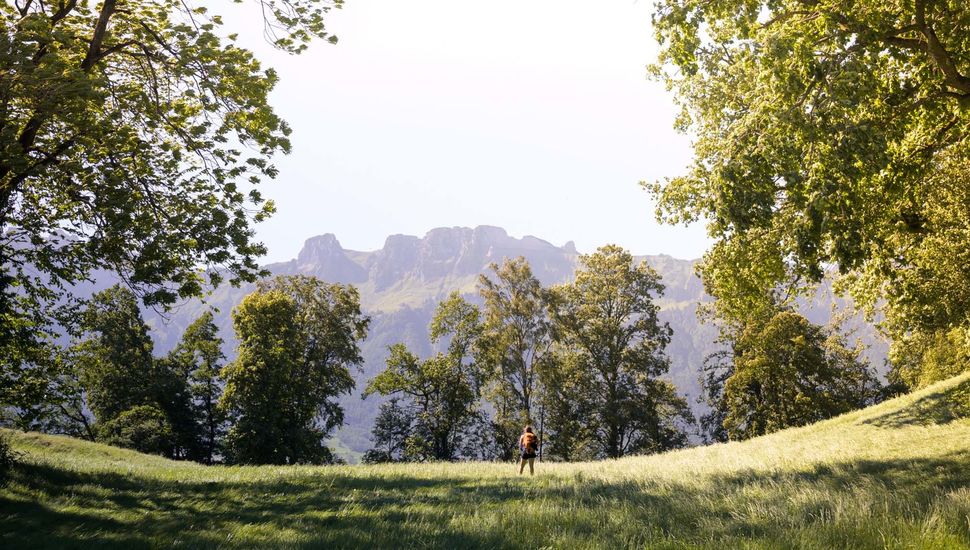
{"points": [[401, 283]]}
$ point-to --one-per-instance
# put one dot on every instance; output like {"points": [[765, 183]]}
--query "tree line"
{"points": [[274, 404], [584, 362], [133, 139]]}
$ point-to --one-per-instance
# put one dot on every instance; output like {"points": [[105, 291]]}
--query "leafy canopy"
{"points": [[436, 397], [132, 137], [788, 372], [829, 135], [298, 338], [607, 322], [517, 341]]}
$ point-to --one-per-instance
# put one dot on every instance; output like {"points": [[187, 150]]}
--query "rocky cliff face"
{"points": [[402, 282]]}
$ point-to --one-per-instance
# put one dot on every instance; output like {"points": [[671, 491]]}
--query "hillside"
{"points": [[401, 283], [892, 476]]}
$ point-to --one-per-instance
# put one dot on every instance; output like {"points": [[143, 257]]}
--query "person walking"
{"points": [[528, 446]]}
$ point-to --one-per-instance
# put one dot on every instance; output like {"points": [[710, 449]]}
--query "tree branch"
{"points": [[100, 30], [939, 54]]}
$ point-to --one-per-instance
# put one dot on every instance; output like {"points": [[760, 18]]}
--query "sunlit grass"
{"points": [[893, 476]]}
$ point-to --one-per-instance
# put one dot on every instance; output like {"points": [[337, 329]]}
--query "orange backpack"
{"points": [[529, 441]]}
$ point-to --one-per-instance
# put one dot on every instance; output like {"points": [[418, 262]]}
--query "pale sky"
{"points": [[533, 115]]}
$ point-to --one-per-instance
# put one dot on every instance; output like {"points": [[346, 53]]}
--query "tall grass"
{"points": [[893, 476]]}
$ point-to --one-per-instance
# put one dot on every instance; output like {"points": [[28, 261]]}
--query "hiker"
{"points": [[528, 445]]}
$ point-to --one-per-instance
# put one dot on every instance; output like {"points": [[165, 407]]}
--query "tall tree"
{"points": [[789, 372], [392, 433], [570, 404], [440, 391], [608, 320], [516, 342], [119, 374], [132, 138], [114, 354], [198, 359], [41, 390], [831, 137], [298, 338]]}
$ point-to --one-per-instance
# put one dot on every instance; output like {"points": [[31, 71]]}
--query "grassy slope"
{"points": [[896, 475]]}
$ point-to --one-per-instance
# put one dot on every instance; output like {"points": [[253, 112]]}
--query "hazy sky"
{"points": [[532, 115]]}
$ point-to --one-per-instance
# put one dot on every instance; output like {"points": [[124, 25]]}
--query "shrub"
{"points": [[8, 457], [144, 428]]}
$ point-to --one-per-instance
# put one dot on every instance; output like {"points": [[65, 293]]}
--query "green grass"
{"points": [[893, 476]]}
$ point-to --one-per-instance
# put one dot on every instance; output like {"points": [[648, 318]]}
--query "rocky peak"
{"points": [[323, 257], [319, 249]]}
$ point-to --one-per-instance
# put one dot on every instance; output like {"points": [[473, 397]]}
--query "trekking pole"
{"points": [[542, 417]]}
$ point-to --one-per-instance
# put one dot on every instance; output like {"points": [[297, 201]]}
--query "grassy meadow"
{"points": [[893, 476]]}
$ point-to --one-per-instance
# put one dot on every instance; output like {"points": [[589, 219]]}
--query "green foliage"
{"points": [[144, 428], [132, 139], [891, 476], [607, 322], [920, 359], [8, 457], [298, 337], [516, 343], [198, 359], [38, 389], [118, 373], [831, 138], [440, 392], [789, 372], [568, 407], [392, 432], [114, 355]]}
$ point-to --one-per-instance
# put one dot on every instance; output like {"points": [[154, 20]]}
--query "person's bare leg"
{"points": [[521, 465], [532, 470]]}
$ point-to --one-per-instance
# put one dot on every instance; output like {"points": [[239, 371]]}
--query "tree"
{"points": [[114, 354], [298, 337], [570, 404], [789, 372], [392, 433], [118, 373], [198, 359], [40, 388], [831, 140], [132, 139], [441, 391], [922, 358], [515, 343], [608, 321]]}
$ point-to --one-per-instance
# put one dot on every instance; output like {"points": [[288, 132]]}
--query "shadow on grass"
{"points": [[49, 507], [940, 407]]}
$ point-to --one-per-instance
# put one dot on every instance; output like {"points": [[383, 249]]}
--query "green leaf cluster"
{"points": [[133, 138], [440, 412], [298, 338], [830, 141]]}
